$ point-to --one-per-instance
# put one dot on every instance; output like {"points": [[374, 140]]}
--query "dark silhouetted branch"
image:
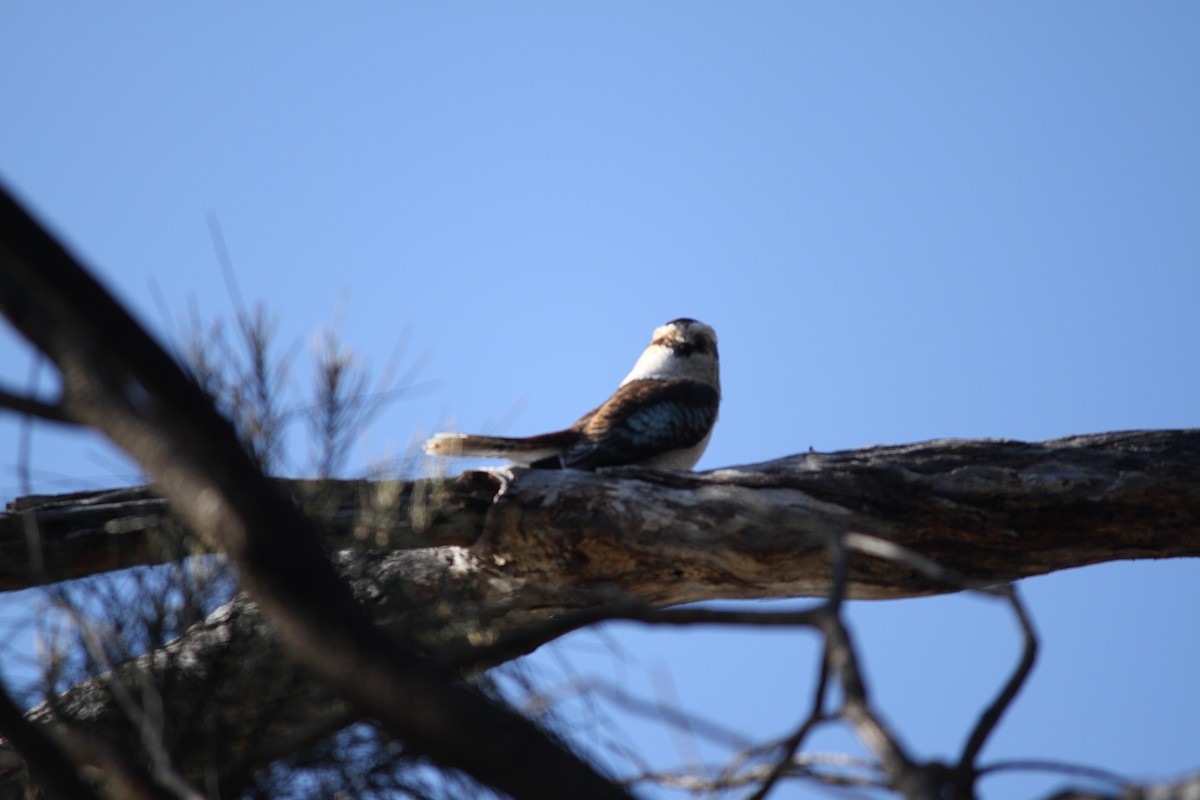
{"points": [[118, 380]]}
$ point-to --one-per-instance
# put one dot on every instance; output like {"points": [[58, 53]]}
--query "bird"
{"points": [[661, 415]]}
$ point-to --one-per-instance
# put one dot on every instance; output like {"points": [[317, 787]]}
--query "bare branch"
{"points": [[791, 746], [519, 642], [991, 716], [842, 656], [993, 511], [22, 404], [1073, 770], [803, 766]]}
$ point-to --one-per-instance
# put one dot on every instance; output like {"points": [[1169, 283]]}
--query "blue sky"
{"points": [[905, 221]]}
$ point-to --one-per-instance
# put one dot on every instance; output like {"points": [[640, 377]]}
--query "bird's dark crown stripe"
{"points": [[684, 348], [690, 347]]}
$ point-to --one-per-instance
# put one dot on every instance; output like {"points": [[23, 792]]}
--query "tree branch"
{"points": [[22, 404], [469, 572], [990, 510], [544, 546], [118, 380]]}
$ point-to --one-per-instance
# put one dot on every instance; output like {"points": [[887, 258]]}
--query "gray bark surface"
{"points": [[992, 509]]}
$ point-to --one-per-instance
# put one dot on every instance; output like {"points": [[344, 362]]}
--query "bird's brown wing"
{"points": [[643, 419]]}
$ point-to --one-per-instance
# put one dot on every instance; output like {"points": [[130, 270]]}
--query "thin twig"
{"points": [[802, 766], [50, 412], [867, 544], [705, 728], [523, 640], [1075, 770], [991, 716], [792, 744]]}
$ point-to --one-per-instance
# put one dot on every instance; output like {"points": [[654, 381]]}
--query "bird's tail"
{"points": [[517, 450]]}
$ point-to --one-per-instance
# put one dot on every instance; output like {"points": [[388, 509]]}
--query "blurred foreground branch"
{"points": [[119, 380]]}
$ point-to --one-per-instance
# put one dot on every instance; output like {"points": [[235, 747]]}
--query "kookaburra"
{"points": [[661, 415]]}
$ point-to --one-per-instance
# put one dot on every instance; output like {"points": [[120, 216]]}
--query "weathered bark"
{"points": [[993, 509], [545, 543], [50, 538]]}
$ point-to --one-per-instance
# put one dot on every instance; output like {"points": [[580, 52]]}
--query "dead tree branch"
{"points": [[550, 552], [991, 510]]}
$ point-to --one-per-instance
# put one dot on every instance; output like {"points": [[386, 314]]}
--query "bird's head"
{"points": [[682, 348]]}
